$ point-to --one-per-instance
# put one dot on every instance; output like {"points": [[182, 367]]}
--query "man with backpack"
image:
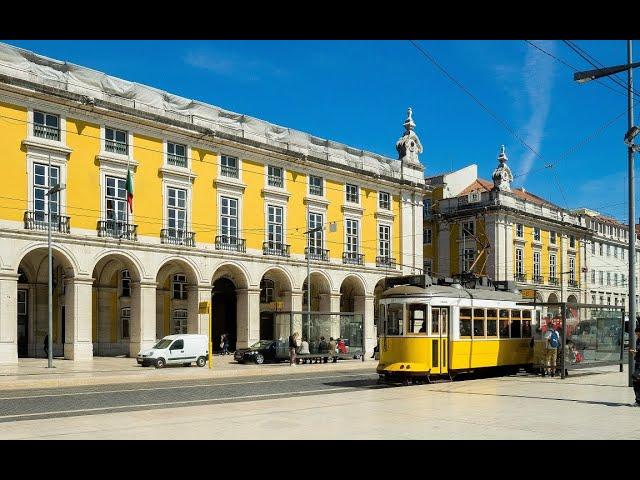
{"points": [[552, 336]]}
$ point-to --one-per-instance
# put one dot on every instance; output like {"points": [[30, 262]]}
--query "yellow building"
{"points": [[221, 204]]}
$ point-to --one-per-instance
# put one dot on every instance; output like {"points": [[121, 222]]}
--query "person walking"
{"points": [[292, 348], [225, 344], [46, 345], [636, 372], [553, 342]]}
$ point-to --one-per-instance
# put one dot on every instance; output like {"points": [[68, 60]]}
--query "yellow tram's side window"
{"points": [[435, 321], [395, 325], [418, 319], [479, 320], [465, 323], [492, 322], [516, 317], [526, 323], [504, 323]]}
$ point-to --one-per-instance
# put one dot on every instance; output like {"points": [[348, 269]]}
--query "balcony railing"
{"points": [[573, 283], [176, 160], [538, 279], [42, 131], [173, 236], [274, 181], [234, 244], [36, 220], [521, 277], [353, 258], [227, 171], [116, 229], [554, 281], [116, 147], [313, 253], [315, 190], [276, 248], [387, 262]]}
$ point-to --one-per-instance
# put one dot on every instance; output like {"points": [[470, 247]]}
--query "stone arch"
{"points": [[230, 305], [321, 288], [276, 294], [236, 273], [352, 286], [193, 272], [572, 299], [132, 262], [39, 267], [377, 292]]}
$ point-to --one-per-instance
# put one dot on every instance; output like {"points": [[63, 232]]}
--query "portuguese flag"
{"points": [[129, 190]]}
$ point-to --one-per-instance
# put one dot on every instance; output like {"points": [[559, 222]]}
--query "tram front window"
{"points": [[394, 319], [418, 319]]}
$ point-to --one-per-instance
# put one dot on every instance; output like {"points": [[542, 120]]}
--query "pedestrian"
{"points": [[292, 348], [636, 371], [225, 344], [221, 344], [333, 346], [552, 336], [46, 345]]}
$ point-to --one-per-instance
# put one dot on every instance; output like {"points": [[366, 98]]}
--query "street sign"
{"points": [[528, 293], [203, 307]]}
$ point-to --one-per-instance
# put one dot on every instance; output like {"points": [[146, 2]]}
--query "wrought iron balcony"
{"points": [[573, 283], [276, 248], [538, 279], [353, 258], [116, 147], [554, 281], [315, 190], [42, 131], [36, 220], [387, 262], [313, 253], [275, 181], [177, 160], [234, 244], [116, 229], [173, 236], [521, 277], [227, 171]]}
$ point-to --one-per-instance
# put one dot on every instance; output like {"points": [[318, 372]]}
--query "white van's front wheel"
{"points": [[160, 363], [201, 362]]}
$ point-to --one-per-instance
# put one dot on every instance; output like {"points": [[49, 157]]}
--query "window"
{"points": [[266, 290], [504, 323], [478, 322], [608, 250], [179, 327], [352, 237], [228, 166], [552, 266], [46, 125], [126, 283], [622, 253], [428, 266], [22, 301], [352, 193], [536, 234], [315, 238], [41, 185], [536, 265], [601, 245], [467, 259], [572, 269], [395, 324], [516, 319], [492, 323], [623, 280], [572, 241], [116, 199], [315, 185], [384, 241], [601, 277], [427, 236], [519, 262], [519, 230], [465, 323], [275, 177], [176, 154], [526, 324], [608, 278], [552, 237], [593, 299], [180, 287], [426, 209], [115, 141], [229, 220], [615, 251], [615, 279], [274, 225], [593, 248], [176, 212], [417, 319], [468, 229], [593, 276], [384, 200], [125, 319]]}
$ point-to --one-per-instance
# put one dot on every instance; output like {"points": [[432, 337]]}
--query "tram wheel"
{"points": [[405, 382]]}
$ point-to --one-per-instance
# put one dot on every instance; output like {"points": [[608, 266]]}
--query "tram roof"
{"points": [[438, 291]]}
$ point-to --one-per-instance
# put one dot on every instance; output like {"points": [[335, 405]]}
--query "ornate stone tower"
{"points": [[502, 176], [409, 146]]}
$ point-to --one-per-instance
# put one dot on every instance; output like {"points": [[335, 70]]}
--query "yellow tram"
{"points": [[440, 330]]}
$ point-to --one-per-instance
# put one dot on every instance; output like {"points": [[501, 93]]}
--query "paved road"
{"points": [[74, 401]]}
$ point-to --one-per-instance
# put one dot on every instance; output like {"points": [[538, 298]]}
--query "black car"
{"points": [[260, 352]]}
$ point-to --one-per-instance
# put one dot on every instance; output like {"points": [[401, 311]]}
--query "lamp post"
{"points": [[53, 190], [583, 77], [309, 232]]}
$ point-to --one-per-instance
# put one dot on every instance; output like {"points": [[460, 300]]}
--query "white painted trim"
{"points": [[284, 176], [233, 195], [275, 203], [112, 155], [385, 224], [52, 109], [348, 203], [56, 161], [170, 183], [230, 152]]}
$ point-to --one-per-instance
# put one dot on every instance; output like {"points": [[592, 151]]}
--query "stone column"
{"points": [[143, 316], [247, 316], [8, 318], [364, 305], [198, 295], [104, 311], [78, 342], [334, 306]]}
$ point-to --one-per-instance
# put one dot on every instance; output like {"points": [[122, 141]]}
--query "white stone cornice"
{"points": [[225, 184], [177, 173], [352, 209], [116, 161], [275, 194], [47, 145], [383, 215], [316, 201]]}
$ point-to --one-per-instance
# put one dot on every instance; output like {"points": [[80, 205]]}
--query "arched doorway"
{"points": [[32, 315], [572, 299], [176, 299], [377, 292], [229, 303], [320, 293], [113, 303], [275, 295], [352, 299]]}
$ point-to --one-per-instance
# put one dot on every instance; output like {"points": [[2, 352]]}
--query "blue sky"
{"points": [[357, 92]]}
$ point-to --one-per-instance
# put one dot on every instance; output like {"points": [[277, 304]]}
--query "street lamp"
{"points": [[53, 190], [583, 77]]}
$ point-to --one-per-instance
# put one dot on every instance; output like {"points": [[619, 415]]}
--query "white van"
{"points": [[175, 349]]}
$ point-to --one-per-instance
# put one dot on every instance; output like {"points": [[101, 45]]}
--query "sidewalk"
{"points": [[33, 372]]}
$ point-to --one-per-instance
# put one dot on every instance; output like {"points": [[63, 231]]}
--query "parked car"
{"points": [[260, 352], [176, 349]]}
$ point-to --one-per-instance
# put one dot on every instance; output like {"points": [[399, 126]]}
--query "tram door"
{"points": [[439, 339]]}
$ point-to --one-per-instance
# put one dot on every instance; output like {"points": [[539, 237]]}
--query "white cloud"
{"points": [[232, 65]]}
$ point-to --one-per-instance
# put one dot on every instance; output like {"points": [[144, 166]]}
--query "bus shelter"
{"points": [[590, 334], [312, 326]]}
